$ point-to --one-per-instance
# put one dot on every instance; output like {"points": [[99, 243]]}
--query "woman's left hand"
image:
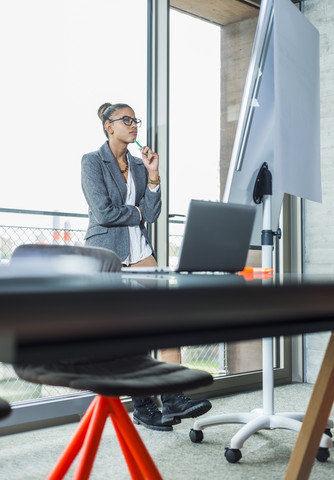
{"points": [[150, 160]]}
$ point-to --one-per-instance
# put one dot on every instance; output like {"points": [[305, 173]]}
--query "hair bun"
{"points": [[102, 108]]}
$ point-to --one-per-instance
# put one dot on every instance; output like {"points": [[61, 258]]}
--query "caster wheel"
{"points": [[328, 432], [232, 455], [322, 455], [196, 436]]}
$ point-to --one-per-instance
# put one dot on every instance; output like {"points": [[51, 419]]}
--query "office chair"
{"points": [[107, 260], [112, 377], [260, 418], [4, 408]]}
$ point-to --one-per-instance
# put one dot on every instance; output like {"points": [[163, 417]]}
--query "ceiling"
{"points": [[221, 12]]}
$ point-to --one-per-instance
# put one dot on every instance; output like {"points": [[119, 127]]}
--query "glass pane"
{"points": [[236, 46], [194, 111], [194, 119], [194, 142], [208, 67], [60, 61]]}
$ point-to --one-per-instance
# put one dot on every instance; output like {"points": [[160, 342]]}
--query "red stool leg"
{"points": [[71, 451], [133, 440], [130, 460], [92, 439]]}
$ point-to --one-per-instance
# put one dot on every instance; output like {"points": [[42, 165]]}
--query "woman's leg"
{"points": [[174, 407], [146, 412], [146, 262], [170, 355]]}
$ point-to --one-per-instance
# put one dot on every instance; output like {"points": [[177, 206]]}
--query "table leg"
{"points": [[315, 419]]}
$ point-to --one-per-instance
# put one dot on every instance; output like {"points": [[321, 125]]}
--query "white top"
{"points": [[139, 248]]}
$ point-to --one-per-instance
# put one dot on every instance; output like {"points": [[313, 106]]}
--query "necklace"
{"points": [[126, 167]]}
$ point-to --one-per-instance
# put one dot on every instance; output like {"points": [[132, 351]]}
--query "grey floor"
{"points": [[30, 455]]}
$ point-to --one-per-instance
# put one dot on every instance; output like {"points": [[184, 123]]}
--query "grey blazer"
{"points": [[105, 191]]}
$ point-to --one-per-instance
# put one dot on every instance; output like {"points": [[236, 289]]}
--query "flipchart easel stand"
{"points": [[265, 417]]}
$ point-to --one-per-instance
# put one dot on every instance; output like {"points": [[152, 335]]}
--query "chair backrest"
{"points": [[108, 260]]}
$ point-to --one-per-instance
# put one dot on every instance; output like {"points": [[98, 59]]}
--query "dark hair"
{"points": [[106, 110]]}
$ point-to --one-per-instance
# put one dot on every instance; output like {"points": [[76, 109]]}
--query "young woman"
{"points": [[123, 193]]}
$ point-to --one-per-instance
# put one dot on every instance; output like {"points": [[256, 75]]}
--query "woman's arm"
{"points": [[151, 203], [107, 211]]}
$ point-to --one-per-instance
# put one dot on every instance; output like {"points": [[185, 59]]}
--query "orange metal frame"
{"points": [[87, 438]]}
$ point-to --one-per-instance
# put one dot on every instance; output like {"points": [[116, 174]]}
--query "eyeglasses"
{"points": [[128, 121]]}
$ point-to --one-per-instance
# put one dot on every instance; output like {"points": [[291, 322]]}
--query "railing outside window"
{"points": [[19, 227]]}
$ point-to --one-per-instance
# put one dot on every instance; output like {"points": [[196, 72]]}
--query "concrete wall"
{"points": [[319, 218]]}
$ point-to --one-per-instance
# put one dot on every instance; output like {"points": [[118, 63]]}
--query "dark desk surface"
{"points": [[69, 315]]}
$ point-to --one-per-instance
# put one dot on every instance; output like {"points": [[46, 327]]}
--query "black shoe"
{"points": [[176, 407], [146, 413]]}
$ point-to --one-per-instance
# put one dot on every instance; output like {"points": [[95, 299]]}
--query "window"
{"points": [[60, 62], [194, 111], [194, 125]]}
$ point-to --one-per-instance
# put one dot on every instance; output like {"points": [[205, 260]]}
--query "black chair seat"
{"points": [[134, 375]]}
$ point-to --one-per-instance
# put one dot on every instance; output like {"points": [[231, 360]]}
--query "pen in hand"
{"points": [[140, 146]]}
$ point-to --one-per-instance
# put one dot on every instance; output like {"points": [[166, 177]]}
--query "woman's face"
{"points": [[120, 129]]}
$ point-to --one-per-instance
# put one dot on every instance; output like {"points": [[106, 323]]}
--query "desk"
{"points": [[54, 317]]}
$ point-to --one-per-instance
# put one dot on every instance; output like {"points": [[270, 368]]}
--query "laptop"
{"points": [[216, 239]]}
